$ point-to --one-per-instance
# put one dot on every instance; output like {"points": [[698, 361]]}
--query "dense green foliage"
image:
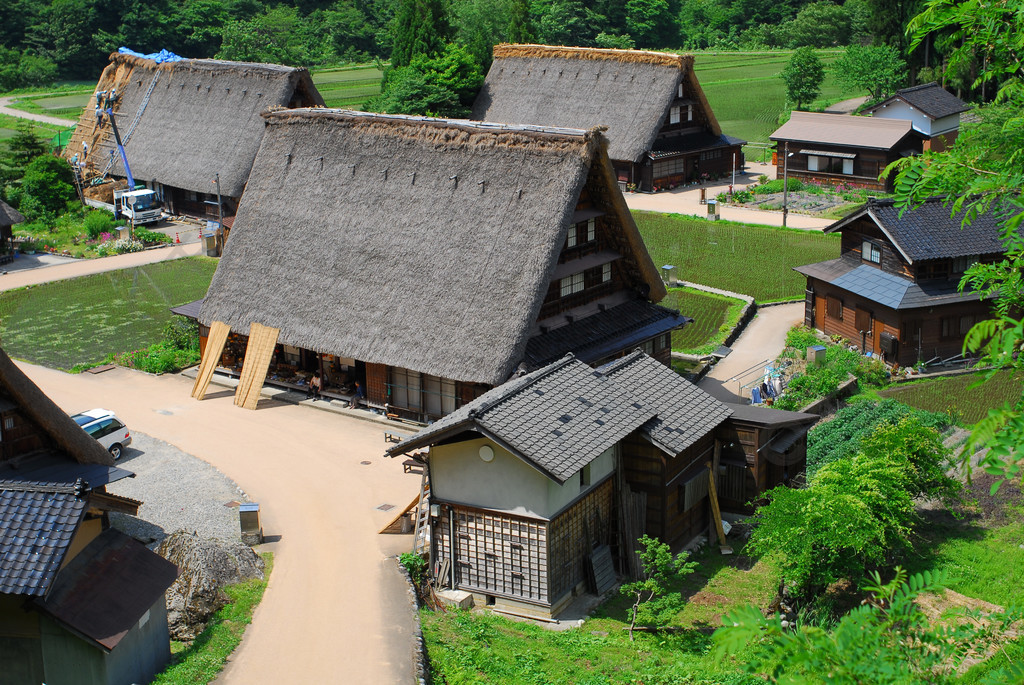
{"points": [[45, 189], [879, 70], [841, 437], [803, 76], [441, 85], [984, 172], [82, 320], [751, 260], [179, 349], [889, 640], [203, 659]]}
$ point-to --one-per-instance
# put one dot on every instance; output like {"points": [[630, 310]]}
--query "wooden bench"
{"points": [[412, 466], [392, 435]]}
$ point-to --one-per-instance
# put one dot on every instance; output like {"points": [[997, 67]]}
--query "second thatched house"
{"points": [[183, 125], [427, 259], [661, 130]]}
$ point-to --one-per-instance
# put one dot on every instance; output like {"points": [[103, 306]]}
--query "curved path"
{"points": [[42, 118], [336, 609]]}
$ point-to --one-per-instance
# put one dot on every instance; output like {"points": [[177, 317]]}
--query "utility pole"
{"points": [[785, 183], [220, 218]]}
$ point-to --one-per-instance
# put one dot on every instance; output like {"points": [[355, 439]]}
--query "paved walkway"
{"points": [[10, 111], [762, 341], [336, 609], [72, 268], [686, 200]]}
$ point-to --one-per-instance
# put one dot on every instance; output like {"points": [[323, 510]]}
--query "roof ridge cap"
{"points": [[541, 373]]}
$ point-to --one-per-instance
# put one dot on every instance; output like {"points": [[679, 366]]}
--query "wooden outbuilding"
{"points": [[894, 291], [843, 149], [660, 128], [931, 109], [541, 483], [184, 124], [8, 217], [429, 258], [80, 603]]}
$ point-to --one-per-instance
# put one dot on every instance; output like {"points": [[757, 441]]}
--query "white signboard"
{"points": [[212, 227]]}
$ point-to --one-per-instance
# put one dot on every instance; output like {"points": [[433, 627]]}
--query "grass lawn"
{"points": [[747, 95], [9, 126], [64, 106], [713, 317], [201, 661], [82, 320], [751, 260], [954, 395], [348, 88], [467, 647]]}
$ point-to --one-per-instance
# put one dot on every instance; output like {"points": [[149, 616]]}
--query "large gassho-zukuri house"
{"points": [[426, 259], [184, 124], [661, 130]]}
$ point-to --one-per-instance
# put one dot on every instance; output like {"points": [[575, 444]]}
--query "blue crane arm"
{"points": [[120, 148]]}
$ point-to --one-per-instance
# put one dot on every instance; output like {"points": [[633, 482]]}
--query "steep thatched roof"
{"points": [[39, 408], [629, 91], [9, 215], [201, 118], [413, 242]]}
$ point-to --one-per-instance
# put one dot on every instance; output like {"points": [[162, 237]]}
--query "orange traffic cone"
{"points": [[177, 239]]}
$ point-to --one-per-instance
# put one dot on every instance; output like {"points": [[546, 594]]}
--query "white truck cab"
{"points": [[139, 206]]}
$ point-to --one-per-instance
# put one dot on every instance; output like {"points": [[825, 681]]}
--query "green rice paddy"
{"points": [[954, 395], [82, 320], [750, 260], [746, 93], [348, 88], [710, 314]]}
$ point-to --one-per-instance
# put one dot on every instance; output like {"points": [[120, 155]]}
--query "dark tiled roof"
{"points": [[887, 289], [930, 98], [929, 232], [600, 335], [104, 591], [56, 468], [685, 412], [36, 528], [189, 310], [697, 142], [559, 418], [766, 416]]}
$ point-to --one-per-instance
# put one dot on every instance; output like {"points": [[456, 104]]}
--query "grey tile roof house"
{"points": [[895, 290], [523, 479], [931, 109], [56, 550]]}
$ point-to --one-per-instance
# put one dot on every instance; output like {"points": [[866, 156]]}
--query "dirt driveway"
{"points": [[336, 609]]}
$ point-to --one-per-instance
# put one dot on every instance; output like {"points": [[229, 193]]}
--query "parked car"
{"points": [[109, 430]]}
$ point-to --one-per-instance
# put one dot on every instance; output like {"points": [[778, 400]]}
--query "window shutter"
{"points": [[848, 167]]}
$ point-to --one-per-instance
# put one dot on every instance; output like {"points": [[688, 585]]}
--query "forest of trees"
{"points": [[44, 40]]}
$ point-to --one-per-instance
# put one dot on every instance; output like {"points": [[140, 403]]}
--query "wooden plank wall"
{"points": [[643, 468], [681, 524], [573, 536]]}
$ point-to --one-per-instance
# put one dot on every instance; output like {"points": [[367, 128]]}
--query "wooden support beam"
{"points": [[214, 348], [716, 512]]}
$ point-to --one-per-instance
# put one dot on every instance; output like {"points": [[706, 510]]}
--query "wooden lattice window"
{"points": [[693, 491]]}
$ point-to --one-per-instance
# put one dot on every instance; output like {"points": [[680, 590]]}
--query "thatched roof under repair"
{"points": [[629, 91], [201, 118], [419, 243]]}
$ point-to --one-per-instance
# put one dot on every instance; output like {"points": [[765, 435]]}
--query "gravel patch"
{"points": [[178, 491]]}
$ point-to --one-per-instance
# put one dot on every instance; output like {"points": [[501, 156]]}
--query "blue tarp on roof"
{"points": [[158, 57]]}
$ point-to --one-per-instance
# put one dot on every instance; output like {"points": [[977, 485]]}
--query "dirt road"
{"points": [[336, 609], [10, 111]]}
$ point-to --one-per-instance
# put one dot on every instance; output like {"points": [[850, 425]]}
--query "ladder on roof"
{"points": [[421, 535], [135, 122]]}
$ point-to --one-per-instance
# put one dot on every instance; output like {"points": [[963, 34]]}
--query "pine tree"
{"points": [[520, 28], [420, 28]]}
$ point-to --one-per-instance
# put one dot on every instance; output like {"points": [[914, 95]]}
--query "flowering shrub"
{"points": [[105, 237], [120, 246]]}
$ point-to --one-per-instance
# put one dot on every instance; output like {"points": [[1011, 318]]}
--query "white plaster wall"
{"points": [[945, 124], [507, 483], [901, 110]]}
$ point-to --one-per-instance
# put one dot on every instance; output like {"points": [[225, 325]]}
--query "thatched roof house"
{"points": [[184, 122], [661, 130], [434, 247]]}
